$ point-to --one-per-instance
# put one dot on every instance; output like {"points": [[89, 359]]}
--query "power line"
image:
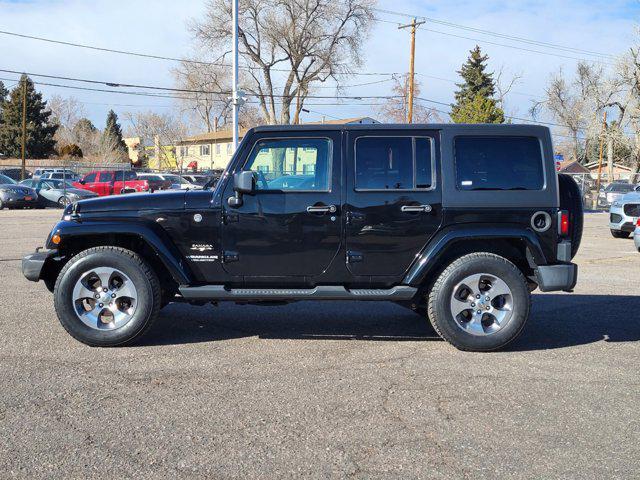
{"points": [[173, 59], [499, 35], [177, 90]]}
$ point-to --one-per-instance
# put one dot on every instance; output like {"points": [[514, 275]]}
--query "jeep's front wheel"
{"points": [[480, 302], [107, 296]]}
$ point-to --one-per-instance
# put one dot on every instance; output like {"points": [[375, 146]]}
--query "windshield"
{"points": [[53, 183], [620, 187], [176, 179], [6, 180], [153, 178]]}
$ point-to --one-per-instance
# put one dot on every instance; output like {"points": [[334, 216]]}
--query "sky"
{"points": [[159, 27]]}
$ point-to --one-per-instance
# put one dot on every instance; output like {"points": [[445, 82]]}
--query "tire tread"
{"points": [[144, 266], [438, 285]]}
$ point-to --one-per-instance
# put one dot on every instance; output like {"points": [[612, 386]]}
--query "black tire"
{"points": [[440, 299], [141, 274], [571, 201], [63, 202], [620, 234]]}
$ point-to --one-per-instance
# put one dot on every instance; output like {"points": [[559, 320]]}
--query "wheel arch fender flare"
{"points": [[157, 239], [437, 247]]}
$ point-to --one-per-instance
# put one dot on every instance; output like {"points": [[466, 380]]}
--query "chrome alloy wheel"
{"points": [[482, 304], [104, 298]]}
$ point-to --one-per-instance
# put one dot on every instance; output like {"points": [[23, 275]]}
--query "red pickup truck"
{"points": [[111, 182]]}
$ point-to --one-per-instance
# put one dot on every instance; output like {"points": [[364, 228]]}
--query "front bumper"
{"points": [[620, 221], [33, 263], [14, 201], [552, 278]]}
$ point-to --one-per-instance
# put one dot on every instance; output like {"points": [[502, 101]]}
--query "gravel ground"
{"points": [[327, 390]]}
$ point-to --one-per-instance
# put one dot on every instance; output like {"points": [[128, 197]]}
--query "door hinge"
{"points": [[228, 257], [354, 257]]}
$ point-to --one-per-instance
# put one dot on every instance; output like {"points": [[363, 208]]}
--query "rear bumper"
{"points": [[33, 263], [552, 278]]}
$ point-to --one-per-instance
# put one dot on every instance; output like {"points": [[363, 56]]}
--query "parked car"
{"points": [[41, 171], [64, 175], [15, 173], [178, 183], [469, 220], [53, 192], [613, 192], [623, 214], [156, 182], [13, 195], [112, 182], [636, 235]]}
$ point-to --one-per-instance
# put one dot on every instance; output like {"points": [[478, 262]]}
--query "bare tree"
{"points": [[209, 104], [577, 104], [163, 131], [395, 109], [65, 112], [299, 42]]}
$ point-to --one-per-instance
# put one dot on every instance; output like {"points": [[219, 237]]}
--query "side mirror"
{"points": [[243, 183], [81, 181]]}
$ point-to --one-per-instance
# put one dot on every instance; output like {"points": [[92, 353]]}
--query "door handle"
{"points": [[322, 209], [416, 208]]}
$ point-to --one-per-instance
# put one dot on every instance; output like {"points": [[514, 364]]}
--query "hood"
{"points": [[133, 201], [631, 197], [79, 192], [23, 189]]}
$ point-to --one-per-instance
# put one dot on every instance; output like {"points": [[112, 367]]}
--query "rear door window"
{"points": [[393, 163], [498, 163]]}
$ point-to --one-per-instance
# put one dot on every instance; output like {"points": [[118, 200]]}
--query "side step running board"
{"points": [[219, 292]]}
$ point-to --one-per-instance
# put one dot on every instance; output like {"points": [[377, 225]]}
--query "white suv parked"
{"points": [[624, 214]]}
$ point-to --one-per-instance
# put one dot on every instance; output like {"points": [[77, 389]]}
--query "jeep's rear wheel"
{"points": [[480, 302], [107, 296]]}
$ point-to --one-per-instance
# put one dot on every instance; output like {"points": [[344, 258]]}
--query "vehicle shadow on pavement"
{"points": [[303, 320], [559, 321], [556, 321]]}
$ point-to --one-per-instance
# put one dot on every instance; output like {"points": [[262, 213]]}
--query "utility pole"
{"points": [[23, 174], [604, 129], [234, 92], [413, 26]]}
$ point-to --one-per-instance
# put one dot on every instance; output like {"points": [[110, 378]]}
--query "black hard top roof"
{"points": [[453, 127]]}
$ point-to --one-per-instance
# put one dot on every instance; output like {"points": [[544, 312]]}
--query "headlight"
{"points": [[5, 190]]}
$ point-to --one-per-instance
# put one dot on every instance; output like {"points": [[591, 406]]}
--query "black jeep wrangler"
{"points": [[457, 222]]}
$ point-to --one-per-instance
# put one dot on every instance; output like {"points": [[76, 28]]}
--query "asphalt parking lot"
{"points": [[327, 390]]}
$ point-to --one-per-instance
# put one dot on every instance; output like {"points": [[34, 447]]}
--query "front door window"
{"points": [[292, 164]]}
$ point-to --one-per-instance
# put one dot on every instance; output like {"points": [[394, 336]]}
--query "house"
{"points": [[616, 170], [573, 167], [213, 150]]}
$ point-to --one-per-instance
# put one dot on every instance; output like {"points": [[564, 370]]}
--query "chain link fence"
{"points": [[600, 197]]}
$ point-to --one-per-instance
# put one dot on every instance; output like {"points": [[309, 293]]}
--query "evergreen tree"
{"points": [[474, 99], [40, 130], [3, 95], [112, 134]]}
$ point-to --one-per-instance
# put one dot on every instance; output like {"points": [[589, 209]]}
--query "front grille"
{"points": [[632, 209], [615, 218]]}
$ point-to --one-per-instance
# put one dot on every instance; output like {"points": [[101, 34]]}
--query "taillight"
{"points": [[638, 223], [563, 223]]}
